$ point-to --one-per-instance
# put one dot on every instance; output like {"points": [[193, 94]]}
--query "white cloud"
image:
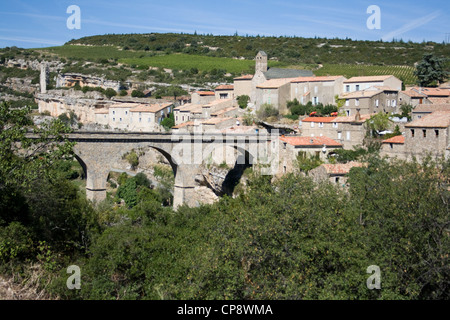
{"points": [[33, 40], [411, 25]]}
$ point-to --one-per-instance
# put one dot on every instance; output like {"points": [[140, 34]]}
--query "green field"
{"points": [[202, 63], [404, 73]]}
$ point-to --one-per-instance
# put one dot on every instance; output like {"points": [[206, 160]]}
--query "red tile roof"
{"points": [[367, 79], [206, 93], [434, 92], [315, 79], [225, 87], [319, 119], [153, 108], [311, 141], [396, 139], [437, 119]]}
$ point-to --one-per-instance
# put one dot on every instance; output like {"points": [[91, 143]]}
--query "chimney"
{"points": [[357, 115]]}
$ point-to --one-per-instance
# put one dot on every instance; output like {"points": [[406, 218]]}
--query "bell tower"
{"points": [[261, 62]]}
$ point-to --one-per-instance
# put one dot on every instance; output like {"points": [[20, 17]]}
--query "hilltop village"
{"points": [[426, 131]]}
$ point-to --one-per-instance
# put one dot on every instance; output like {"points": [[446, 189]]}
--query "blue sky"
{"points": [[42, 23]]}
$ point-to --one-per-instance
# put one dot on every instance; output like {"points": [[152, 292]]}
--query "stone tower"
{"points": [[261, 62], [44, 77]]}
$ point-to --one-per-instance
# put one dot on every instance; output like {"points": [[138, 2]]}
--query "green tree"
{"points": [[110, 93], [431, 70], [378, 123], [243, 101], [169, 121]]}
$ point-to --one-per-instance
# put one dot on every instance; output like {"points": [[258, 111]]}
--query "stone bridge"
{"points": [[98, 152]]}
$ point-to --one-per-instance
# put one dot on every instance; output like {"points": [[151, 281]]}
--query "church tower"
{"points": [[261, 62]]}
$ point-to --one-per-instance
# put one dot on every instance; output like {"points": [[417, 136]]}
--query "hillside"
{"points": [[286, 49]]}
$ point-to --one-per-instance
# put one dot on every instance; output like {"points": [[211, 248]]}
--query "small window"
{"points": [[120, 119], [391, 145], [114, 112], [412, 133], [357, 102], [126, 112], [357, 87], [436, 132], [347, 88], [320, 124], [140, 119], [347, 102], [114, 119], [424, 133], [348, 112], [377, 102], [336, 179], [335, 125], [312, 124]]}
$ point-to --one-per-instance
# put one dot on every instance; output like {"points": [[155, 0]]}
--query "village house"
{"points": [[428, 135], [224, 92], [119, 115], [349, 131], [242, 85], [316, 89], [412, 97], [319, 126], [183, 113], [334, 173], [371, 100], [148, 118], [202, 97], [275, 92], [362, 83], [422, 110], [394, 147], [292, 147]]}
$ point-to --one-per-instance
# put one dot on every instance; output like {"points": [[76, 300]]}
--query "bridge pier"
{"points": [[183, 191], [96, 184]]}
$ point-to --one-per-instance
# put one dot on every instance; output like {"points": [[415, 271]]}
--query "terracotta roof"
{"points": [[184, 124], [315, 79], [434, 92], [360, 94], [396, 139], [240, 129], [368, 79], [439, 100], [311, 141], [245, 77], [385, 88], [206, 93], [363, 118], [153, 108], [215, 120], [225, 87], [102, 111], [319, 119], [341, 168], [437, 119], [273, 83], [414, 94], [217, 102], [220, 112], [428, 108]]}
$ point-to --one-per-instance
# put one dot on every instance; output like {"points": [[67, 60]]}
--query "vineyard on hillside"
{"points": [[404, 73]]}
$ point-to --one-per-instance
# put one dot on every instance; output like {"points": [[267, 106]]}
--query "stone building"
{"points": [[224, 91], [316, 89], [422, 110], [363, 83], [202, 97], [275, 92], [371, 100], [148, 118], [428, 135], [293, 146], [243, 85], [394, 147], [334, 173]]}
